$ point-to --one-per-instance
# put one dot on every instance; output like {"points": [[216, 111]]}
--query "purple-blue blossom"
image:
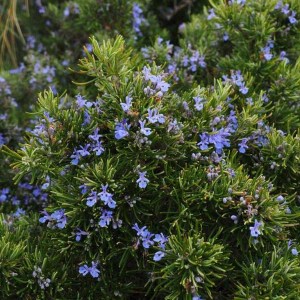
{"points": [[79, 233], [198, 103], [142, 180], [282, 56], [161, 239], [211, 14], [71, 8], [141, 232], [219, 139], [86, 118], [158, 255], [19, 212], [93, 271], [292, 18], [225, 37], [56, 219], [154, 116], [158, 85], [255, 229], [267, 50], [2, 139], [138, 19], [96, 145], [294, 251], [121, 129], [147, 240], [83, 151], [105, 218], [127, 104], [107, 197], [82, 102], [285, 9], [144, 130], [91, 199], [144, 235], [237, 79], [243, 145], [75, 157], [196, 60]]}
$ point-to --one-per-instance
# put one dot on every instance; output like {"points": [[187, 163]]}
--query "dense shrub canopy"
{"points": [[166, 169]]}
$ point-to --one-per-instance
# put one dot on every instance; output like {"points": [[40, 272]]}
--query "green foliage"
{"points": [[173, 174], [191, 266]]}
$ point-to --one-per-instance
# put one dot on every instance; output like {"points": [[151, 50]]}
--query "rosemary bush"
{"points": [[166, 171]]}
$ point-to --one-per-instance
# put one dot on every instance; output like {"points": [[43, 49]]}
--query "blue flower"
{"points": [[121, 129], [82, 102], [142, 180], [204, 141], [154, 116], [142, 232], [211, 14], [292, 18], [98, 148], [80, 233], [19, 212], [106, 197], [158, 255], [93, 271], [83, 189], [91, 199], [219, 139], [56, 219], [138, 19], [95, 136], [4, 194], [280, 198], [144, 130], [126, 106], [84, 150], [146, 241], [198, 103], [60, 218], [243, 145], [86, 118], [244, 90], [105, 218], [96, 145], [285, 9], [255, 230], [161, 239], [2, 139], [267, 50], [225, 37], [294, 251]]}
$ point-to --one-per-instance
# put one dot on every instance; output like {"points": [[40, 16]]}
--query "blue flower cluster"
{"points": [[285, 9], [237, 79], [107, 198], [157, 85], [71, 9], [95, 146], [104, 195], [57, 219], [218, 139], [178, 59], [148, 239], [267, 50], [138, 19]]}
